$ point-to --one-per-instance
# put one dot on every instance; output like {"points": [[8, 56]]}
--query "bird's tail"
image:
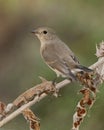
{"points": [[83, 68]]}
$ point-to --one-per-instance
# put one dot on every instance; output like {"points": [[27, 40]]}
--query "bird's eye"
{"points": [[45, 32]]}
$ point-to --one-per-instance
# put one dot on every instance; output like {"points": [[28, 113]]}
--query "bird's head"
{"points": [[44, 34]]}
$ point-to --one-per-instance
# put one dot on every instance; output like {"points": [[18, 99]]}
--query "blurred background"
{"points": [[80, 24]]}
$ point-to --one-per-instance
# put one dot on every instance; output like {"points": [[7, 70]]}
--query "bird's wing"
{"points": [[74, 58], [67, 55], [53, 59]]}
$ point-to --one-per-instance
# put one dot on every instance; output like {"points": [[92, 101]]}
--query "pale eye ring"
{"points": [[45, 32]]}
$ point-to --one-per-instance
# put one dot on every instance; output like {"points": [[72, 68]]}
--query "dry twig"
{"points": [[38, 92]]}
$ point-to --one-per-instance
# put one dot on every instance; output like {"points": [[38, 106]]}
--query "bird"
{"points": [[57, 55]]}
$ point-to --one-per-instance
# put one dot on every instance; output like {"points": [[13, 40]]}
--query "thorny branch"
{"points": [[89, 92], [40, 91]]}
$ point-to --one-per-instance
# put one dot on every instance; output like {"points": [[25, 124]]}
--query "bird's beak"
{"points": [[34, 32]]}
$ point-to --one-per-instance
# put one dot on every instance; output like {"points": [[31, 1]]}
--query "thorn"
{"points": [[42, 79]]}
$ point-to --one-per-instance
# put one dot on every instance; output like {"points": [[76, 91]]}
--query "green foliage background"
{"points": [[80, 24]]}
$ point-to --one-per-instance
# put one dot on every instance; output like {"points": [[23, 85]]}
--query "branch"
{"points": [[29, 104], [39, 95], [89, 92]]}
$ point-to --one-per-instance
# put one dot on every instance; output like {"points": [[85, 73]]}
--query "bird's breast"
{"points": [[43, 50]]}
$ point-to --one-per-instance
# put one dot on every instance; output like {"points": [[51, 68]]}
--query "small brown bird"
{"points": [[57, 55]]}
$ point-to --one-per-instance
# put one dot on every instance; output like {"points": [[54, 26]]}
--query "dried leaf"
{"points": [[100, 50], [45, 87], [85, 103], [2, 110], [34, 122]]}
